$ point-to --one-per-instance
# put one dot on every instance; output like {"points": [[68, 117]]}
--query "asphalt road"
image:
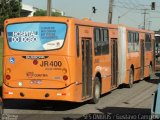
{"points": [[122, 103]]}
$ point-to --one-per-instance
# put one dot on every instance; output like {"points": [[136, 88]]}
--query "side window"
{"points": [[105, 41], [97, 41], [148, 42], [133, 41], [129, 42], [77, 40], [101, 41], [137, 42]]}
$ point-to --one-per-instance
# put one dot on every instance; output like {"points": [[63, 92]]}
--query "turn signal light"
{"points": [[65, 77], [8, 77], [64, 70], [8, 70]]}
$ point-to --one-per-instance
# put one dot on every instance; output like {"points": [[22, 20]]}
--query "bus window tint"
{"points": [[137, 42], [148, 42], [133, 41], [77, 40], [101, 41], [37, 36], [157, 44], [130, 42], [105, 42], [97, 42]]}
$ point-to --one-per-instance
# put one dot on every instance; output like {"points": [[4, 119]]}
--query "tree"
{"points": [[9, 9], [41, 12], [56, 14]]}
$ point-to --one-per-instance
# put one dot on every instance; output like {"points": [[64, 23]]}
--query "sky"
{"points": [[128, 12]]}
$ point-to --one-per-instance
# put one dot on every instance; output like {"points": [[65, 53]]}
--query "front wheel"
{"points": [[96, 91]]}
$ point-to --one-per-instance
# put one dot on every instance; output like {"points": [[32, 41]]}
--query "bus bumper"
{"points": [[70, 93]]}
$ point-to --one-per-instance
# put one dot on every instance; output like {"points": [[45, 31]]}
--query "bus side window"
{"points": [[105, 42], [77, 40], [148, 42], [133, 41], [129, 42], [137, 41], [97, 41]]}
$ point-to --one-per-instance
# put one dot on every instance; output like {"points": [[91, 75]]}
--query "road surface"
{"points": [[122, 103]]}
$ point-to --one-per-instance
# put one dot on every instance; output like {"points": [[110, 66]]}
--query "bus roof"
{"points": [[88, 22], [136, 29], [83, 22]]}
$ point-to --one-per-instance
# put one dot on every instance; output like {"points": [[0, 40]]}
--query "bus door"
{"points": [[142, 60], [114, 60], [86, 67]]}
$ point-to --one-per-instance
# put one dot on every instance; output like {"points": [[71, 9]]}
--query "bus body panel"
{"points": [[36, 73], [51, 66]]}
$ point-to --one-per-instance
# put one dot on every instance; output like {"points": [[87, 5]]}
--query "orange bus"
{"points": [[67, 59]]}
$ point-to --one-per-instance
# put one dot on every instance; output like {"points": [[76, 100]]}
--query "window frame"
{"points": [[97, 43], [77, 41], [133, 41], [100, 43], [148, 40], [107, 41]]}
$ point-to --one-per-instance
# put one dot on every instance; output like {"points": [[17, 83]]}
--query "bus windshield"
{"points": [[36, 36]]}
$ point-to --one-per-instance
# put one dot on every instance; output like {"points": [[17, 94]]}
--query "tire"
{"points": [[96, 91], [131, 79]]}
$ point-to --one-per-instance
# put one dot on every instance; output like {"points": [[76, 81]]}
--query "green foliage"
{"points": [[9, 9], [41, 12], [56, 14], [15, 8]]}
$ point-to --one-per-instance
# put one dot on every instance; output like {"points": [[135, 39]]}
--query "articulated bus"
{"points": [[67, 59]]}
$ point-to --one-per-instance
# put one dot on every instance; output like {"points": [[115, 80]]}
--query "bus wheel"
{"points": [[131, 79], [96, 91]]}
